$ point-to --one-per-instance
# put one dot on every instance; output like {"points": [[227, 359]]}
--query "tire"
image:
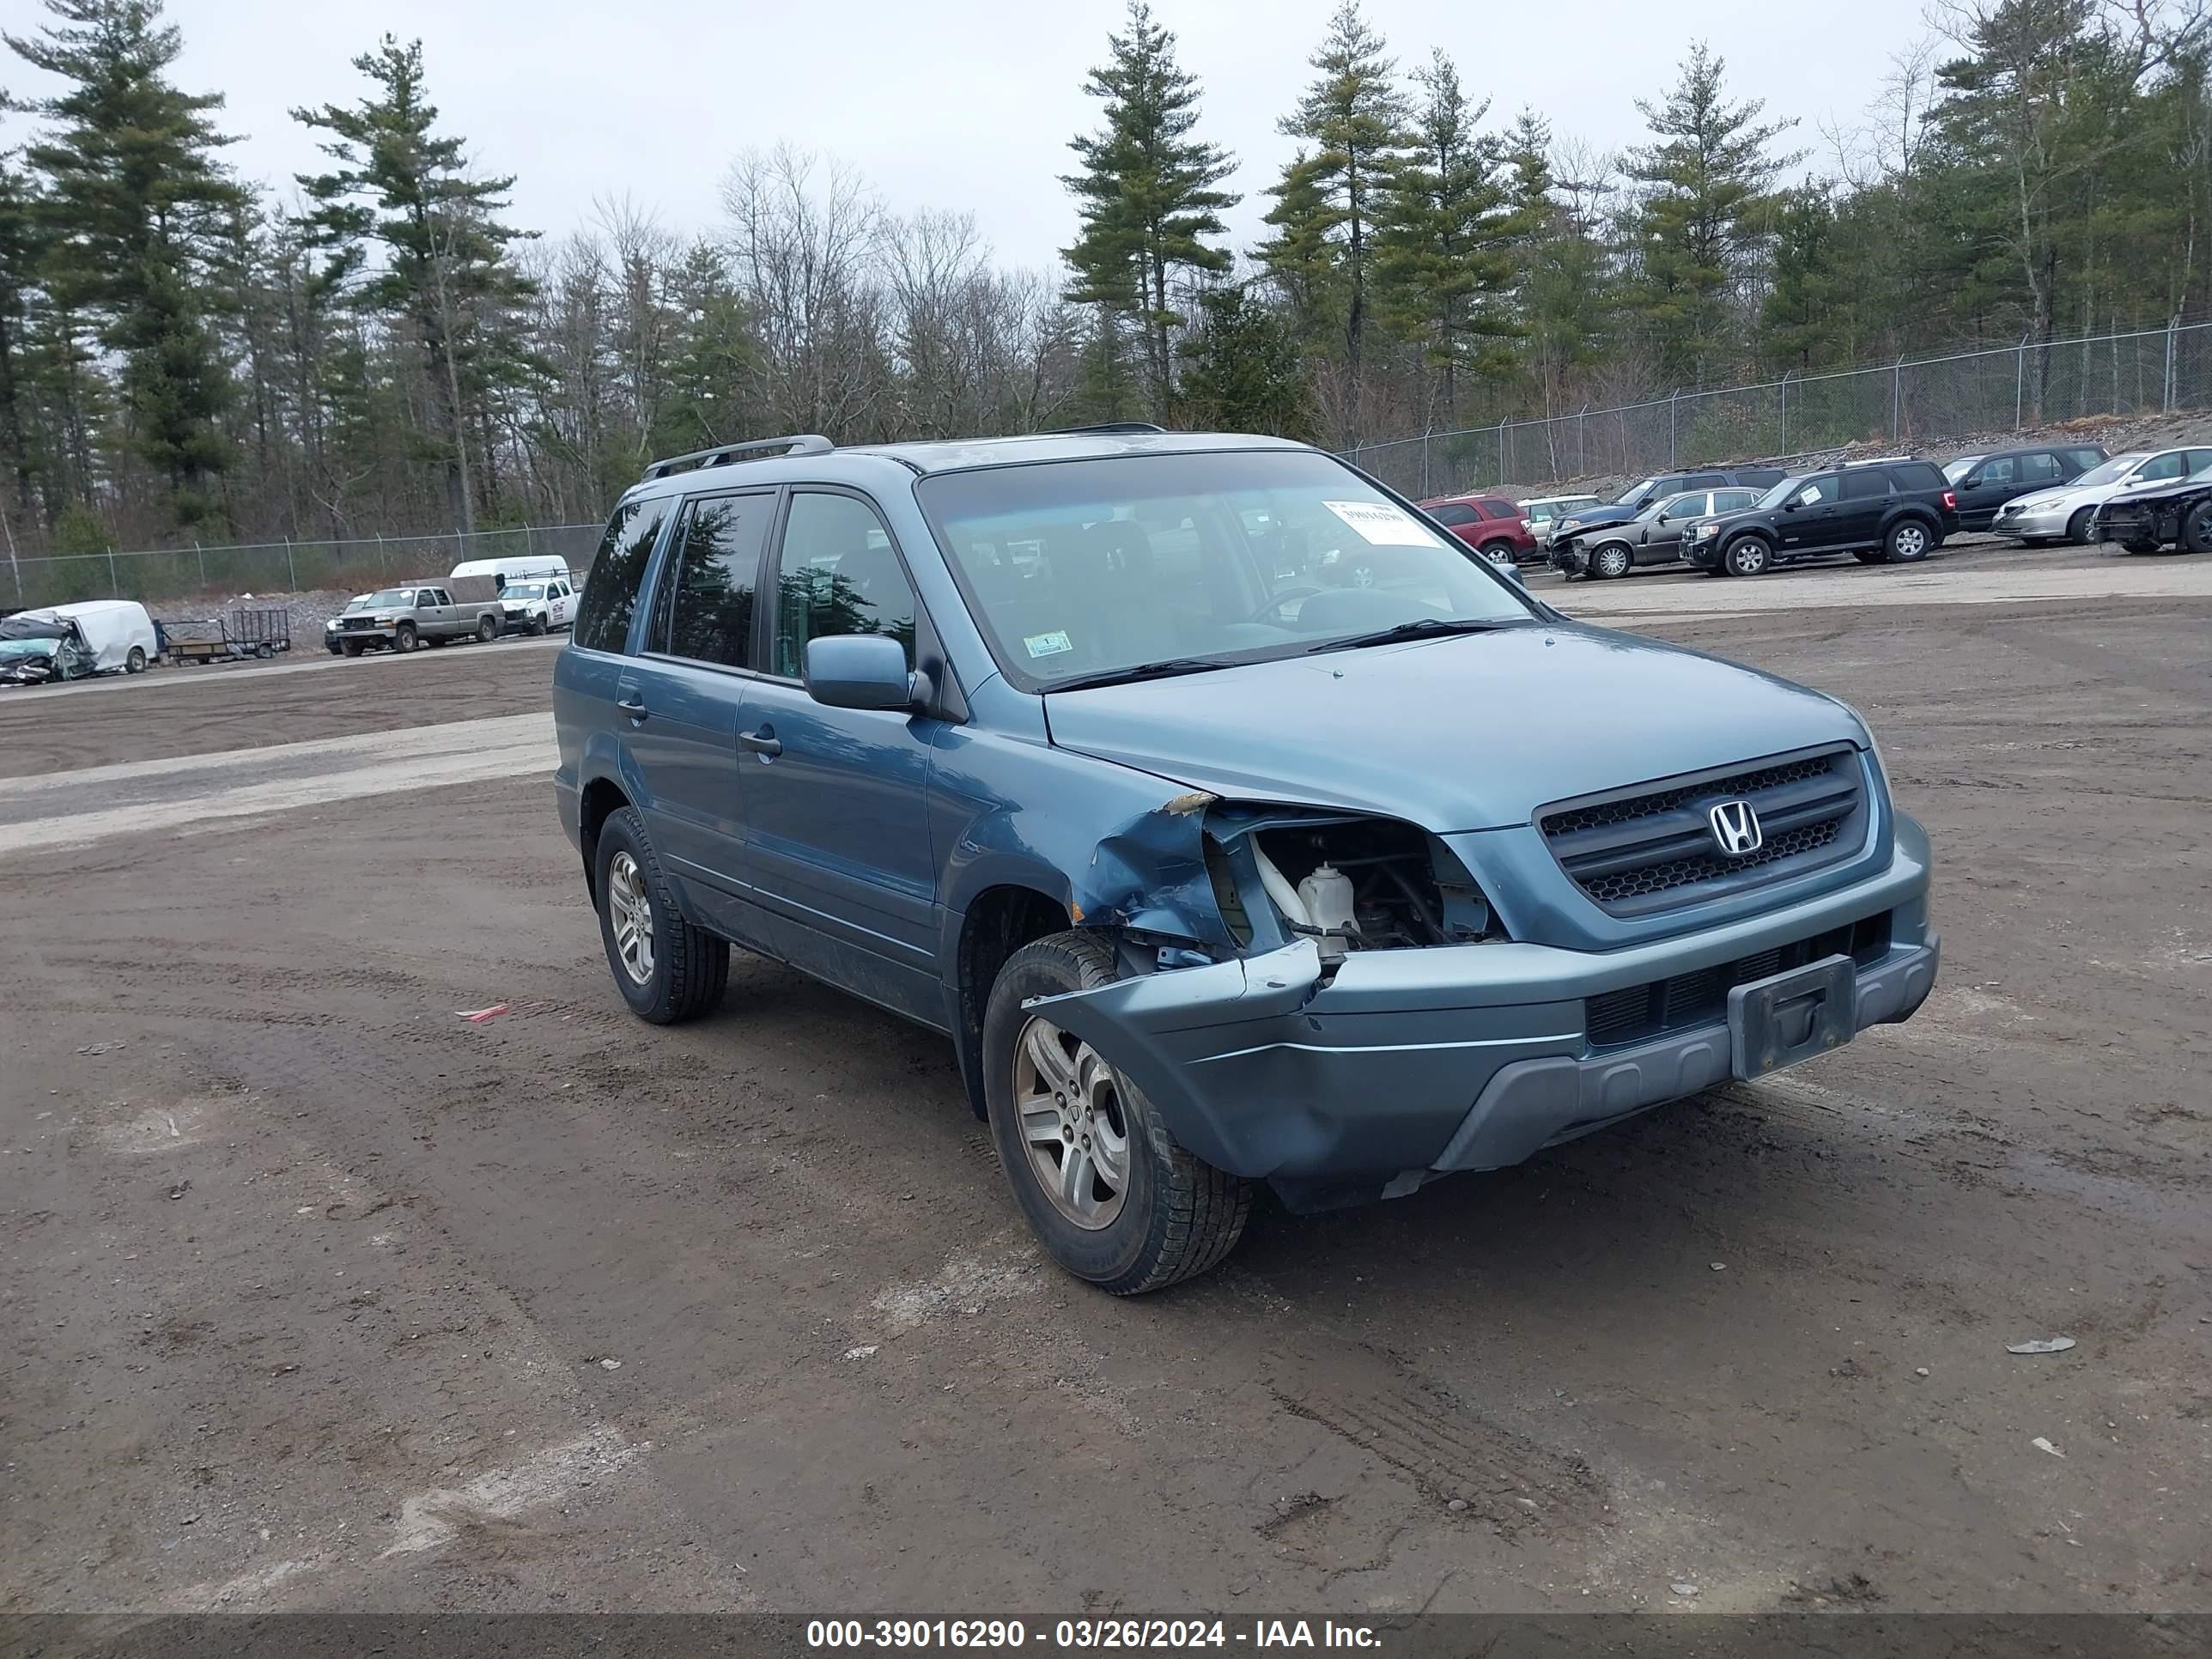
{"points": [[403, 638], [349, 647], [2196, 535], [1174, 1215], [537, 627], [136, 662], [1909, 541], [264, 651], [486, 631], [682, 970], [1497, 552], [1611, 561], [2077, 527], [1747, 556]]}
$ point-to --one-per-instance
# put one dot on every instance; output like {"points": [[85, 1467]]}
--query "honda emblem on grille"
{"points": [[1736, 828]]}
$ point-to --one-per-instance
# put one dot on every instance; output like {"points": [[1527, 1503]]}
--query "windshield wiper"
{"points": [[1143, 670], [1426, 628]]}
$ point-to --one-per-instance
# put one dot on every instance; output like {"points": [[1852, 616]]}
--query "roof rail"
{"points": [[1102, 427], [802, 443], [1874, 461]]}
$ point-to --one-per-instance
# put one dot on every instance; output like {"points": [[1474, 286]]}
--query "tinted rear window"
{"points": [[1915, 475], [618, 569], [1865, 483]]}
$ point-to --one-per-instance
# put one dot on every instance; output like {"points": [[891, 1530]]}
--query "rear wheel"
{"points": [[1497, 552], [666, 969], [1747, 556], [1612, 561], [1909, 541], [2077, 527], [487, 629], [1108, 1192]]}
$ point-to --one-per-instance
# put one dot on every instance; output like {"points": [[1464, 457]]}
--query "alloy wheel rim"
{"points": [[1909, 542], [1074, 1128], [630, 913]]}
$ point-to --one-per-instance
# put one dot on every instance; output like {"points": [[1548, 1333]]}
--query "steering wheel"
{"points": [[1282, 600]]}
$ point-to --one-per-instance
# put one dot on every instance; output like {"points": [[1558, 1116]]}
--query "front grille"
{"points": [[1652, 848], [347, 623], [1637, 1013]]}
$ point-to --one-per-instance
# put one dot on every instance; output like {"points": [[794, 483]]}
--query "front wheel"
{"points": [[136, 662], [1101, 1181], [2196, 529], [667, 970], [1908, 541], [1747, 556], [2077, 527], [403, 637], [1611, 561]]}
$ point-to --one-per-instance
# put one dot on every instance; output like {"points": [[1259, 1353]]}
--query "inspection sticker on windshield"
{"points": [[1382, 524], [1046, 645]]}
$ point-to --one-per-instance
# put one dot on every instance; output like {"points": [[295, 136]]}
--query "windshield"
{"points": [[1076, 570], [2110, 472], [523, 590], [12, 648], [1959, 468], [389, 596], [1634, 494]]}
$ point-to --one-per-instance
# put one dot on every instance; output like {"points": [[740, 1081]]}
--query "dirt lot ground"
{"points": [[316, 1296]]}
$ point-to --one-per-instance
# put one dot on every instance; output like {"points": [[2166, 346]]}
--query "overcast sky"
{"points": [[966, 105]]}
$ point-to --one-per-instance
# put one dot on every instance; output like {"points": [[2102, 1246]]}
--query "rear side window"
{"points": [[1499, 510], [704, 609], [1452, 512], [1705, 481], [2199, 459], [1917, 475], [1865, 484], [1733, 501], [2080, 460], [618, 569], [2043, 468]]}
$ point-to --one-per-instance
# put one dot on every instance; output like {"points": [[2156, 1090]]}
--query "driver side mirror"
{"points": [[859, 670]]}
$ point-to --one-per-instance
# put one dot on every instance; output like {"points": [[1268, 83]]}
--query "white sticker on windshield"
{"points": [[1046, 645], [1382, 524]]}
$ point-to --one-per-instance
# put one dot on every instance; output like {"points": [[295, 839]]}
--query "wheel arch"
{"points": [[999, 920]]}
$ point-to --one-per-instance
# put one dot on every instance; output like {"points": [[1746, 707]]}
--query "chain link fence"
{"points": [[355, 565], [1910, 403]]}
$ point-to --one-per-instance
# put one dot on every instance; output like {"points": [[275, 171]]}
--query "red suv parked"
{"points": [[1490, 524]]}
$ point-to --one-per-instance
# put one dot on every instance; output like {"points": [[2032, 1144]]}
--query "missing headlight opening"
{"points": [[1349, 884]]}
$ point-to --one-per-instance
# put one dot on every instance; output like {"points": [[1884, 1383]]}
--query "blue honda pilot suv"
{"points": [[1214, 871]]}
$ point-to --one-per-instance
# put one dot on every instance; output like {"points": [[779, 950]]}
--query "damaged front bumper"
{"points": [[1411, 1063]]}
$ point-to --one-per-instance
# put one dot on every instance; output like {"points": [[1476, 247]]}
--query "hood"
{"points": [[1455, 734]]}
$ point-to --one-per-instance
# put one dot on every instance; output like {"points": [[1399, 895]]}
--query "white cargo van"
{"points": [[118, 632]]}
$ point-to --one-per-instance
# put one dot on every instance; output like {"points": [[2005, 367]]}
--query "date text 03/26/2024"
{"points": [[1085, 1633]]}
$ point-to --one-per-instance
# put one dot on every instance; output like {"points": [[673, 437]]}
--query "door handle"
{"points": [[633, 706], [763, 742]]}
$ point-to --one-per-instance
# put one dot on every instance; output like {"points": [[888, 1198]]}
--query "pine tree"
{"points": [[135, 200], [1146, 191], [1243, 372], [446, 272], [1353, 117], [1803, 317], [1699, 229], [1441, 236]]}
